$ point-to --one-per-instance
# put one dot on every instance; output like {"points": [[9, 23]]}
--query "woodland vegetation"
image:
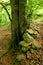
{"points": [[21, 32]]}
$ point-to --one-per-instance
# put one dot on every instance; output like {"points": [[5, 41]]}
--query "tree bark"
{"points": [[18, 23], [22, 20]]}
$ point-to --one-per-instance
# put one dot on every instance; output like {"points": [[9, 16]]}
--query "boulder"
{"points": [[28, 38], [32, 62], [30, 31], [20, 57], [35, 32], [25, 49], [23, 44], [36, 44], [32, 50], [28, 55]]}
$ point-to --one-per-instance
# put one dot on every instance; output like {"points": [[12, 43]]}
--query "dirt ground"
{"points": [[5, 36], [8, 59]]}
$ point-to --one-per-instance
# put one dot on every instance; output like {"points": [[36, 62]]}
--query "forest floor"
{"points": [[8, 59]]}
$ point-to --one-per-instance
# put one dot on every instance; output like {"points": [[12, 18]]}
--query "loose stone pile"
{"points": [[29, 43]]}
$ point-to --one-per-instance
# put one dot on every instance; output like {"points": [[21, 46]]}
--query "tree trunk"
{"points": [[18, 23], [22, 20]]}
